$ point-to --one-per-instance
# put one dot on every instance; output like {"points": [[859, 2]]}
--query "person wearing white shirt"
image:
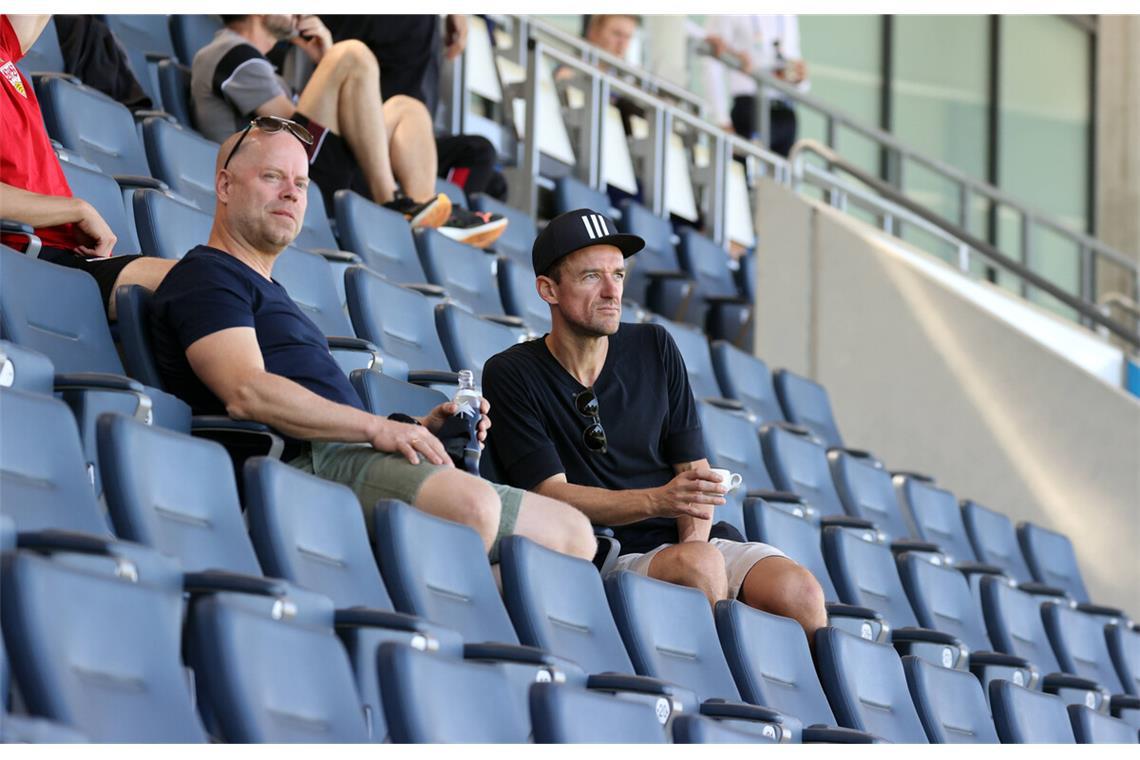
{"points": [[765, 44]]}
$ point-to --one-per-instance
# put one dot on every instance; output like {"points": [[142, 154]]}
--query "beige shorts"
{"points": [[739, 557]]}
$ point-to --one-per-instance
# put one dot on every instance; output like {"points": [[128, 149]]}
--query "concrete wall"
{"points": [[926, 379]]}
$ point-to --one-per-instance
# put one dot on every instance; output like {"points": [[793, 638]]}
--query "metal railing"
{"points": [[898, 156]]}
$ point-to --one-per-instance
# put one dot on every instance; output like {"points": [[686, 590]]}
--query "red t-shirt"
{"points": [[27, 160]]}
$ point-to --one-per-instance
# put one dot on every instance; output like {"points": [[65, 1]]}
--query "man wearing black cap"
{"points": [[599, 414]]}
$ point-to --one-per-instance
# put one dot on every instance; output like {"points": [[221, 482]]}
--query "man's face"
{"points": [[263, 192], [280, 26], [589, 294], [614, 35]]}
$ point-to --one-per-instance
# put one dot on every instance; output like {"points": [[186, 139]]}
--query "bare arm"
{"points": [[28, 28], [690, 527], [229, 362], [278, 106], [50, 210]]}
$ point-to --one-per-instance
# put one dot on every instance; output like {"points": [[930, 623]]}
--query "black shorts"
{"points": [[105, 271], [331, 162]]}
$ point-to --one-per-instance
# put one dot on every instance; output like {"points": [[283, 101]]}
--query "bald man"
{"points": [[229, 340]]}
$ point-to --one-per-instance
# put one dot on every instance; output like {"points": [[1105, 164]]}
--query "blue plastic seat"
{"points": [[380, 236], [169, 227], [1022, 716], [745, 378], [465, 272], [453, 191], [694, 348], [191, 33], [520, 297], [105, 135], [799, 465], [469, 341], [1081, 647], [866, 686], [316, 230], [565, 715], [183, 159], [103, 192], [572, 193], [936, 517], [146, 40], [807, 404], [20, 729], [655, 277], [518, 239], [384, 394], [717, 306], [730, 442], [866, 491], [25, 369], [1092, 727], [434, 699], [174, 89], [45, 55], [1051, 559], [1124, 648], [694, 729], [950, 703]]}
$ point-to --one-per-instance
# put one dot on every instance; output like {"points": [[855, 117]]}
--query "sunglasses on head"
{"points": [[270, 125], [594, 436]]}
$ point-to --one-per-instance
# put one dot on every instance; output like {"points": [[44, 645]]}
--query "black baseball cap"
{"points": [[577, 229]]}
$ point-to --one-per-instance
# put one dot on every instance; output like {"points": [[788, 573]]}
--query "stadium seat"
{"points": [[25, 369], [453, 191], [951, 704], [694, 348], [518, 239], [520, 296], [771, 662], [1022, 716], [936, 518], [655, 278], [865, 490], [434, 699], [669, 633], [806, 403], [730, 442], [469, 341], [380, 236], [269, 669], [167, 226], [106, 133], [146, 40], [316, 233], [717, 306], [45, 55], [995, 543], [1081, 648], [183, 159], [866, 686], [865, 574], [571, 193], [1051, 559], [174, 88], [799, 464], [565, 715], [1124, 647], [1091, 727], [745, 378], [121, 680], [384, 394], [20, 729], [466, 273], [191, 33], [104, 193], [693, 729]]}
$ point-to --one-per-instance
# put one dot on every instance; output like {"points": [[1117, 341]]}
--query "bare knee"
{"points": [[404, 108], [477, 506], [578, 535], [790, 591], [354, 58], [698, 565]]}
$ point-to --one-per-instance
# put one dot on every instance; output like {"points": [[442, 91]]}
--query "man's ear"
{"points": [[222, 182], [547, 289]]}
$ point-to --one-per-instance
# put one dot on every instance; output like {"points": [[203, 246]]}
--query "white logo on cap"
{"points": [[595, 225]]}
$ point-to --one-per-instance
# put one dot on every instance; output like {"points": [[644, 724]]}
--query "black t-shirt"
{"points": [[407, 48], [209, 290], [645, 406]]}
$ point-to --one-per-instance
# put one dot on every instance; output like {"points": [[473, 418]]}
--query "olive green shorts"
{"points": [[374, 475]]}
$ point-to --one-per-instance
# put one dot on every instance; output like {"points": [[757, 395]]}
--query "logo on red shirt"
{"points": [[13, 76]]}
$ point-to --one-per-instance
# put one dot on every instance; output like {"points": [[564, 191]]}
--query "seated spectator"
{"points": [[34, 190], [599, 414], [229, 340], [359, 142]]}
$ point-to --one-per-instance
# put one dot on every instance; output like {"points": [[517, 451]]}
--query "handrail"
{"points": [[1121, 301], [1089, 312]]}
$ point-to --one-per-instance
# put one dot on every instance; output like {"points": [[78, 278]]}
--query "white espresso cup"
{"points": [[731, 480]]}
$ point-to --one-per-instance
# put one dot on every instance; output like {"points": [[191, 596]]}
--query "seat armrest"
{"points": [[973, 568], [663, 274], [153, 113], [490, 650], [786, 497], [909, 634], [39, 77], [733, 300], [336, 255], [786, 728], [916, 475], [348, 343], [64, 541], [851, 611], [206, 425], [999, 658], [1042, 589], [426, 288], [432, 377], [97, 381], [133, 181], [836, 735], [12, 227], [627, 682], [791, 427], [1118, 702], [1100, 610], [153, 57], [504, 319], [857, 453], [846, 521], [729, 404], [1067, 681], [365, 617], [900, 545], [221, 581]]}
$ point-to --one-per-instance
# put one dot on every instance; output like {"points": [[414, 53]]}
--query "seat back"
{"points": [[1051, 559], [401, 322], [950, 703], [941, 599], [806, 403], [183, 159], [434, 699], [453, 192], [105, 135], [1092, 727], [466, 273], [694, 348], [103, 192], [272, 670], [789, 528], [658, 255], [864, 573], [174, 89], [43, 479], [707, 263], [133, 302], [143, 36], [176, 494], [310, 282], [669, 634], [799, 465], [994, 540], [518, 239], [771, 662], [311, 532], [380, 236], [469, 341], [383, 394], [190, 33], [1022, 716], [566, 715], [1124, 647], [557, 603], [746, 378], [95, 642], [866, 686], [316, 229], [25, 369], [1079, 642], [167, 226], [693, 729], [730, 442], [865, 490], [45, 55], [438, 569], [520, 297], [1013, 621], [936, 517], [571, 193]]}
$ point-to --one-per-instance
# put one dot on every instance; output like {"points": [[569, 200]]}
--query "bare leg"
{"points": [[695, 564], [556, 525], [411, 146], [147, 271], [461, 497], [780, 586]]}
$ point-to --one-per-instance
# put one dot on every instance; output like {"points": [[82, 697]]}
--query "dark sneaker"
{"points": [[427, 214], [477, 228]]}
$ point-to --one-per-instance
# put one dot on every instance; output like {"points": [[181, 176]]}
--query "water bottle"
{"points": [[468, 399]]}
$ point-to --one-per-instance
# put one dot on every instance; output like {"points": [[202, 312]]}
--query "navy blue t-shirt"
{"points": [[209, 290], [645, 406]]}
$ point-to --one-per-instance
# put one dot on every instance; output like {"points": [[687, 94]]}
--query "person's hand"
{"points": [[434, 419], [454, 35], [795, 71], [312, 36], [717, 43], [745, 59], [693, 493], [99, 241], [410, 440]]}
